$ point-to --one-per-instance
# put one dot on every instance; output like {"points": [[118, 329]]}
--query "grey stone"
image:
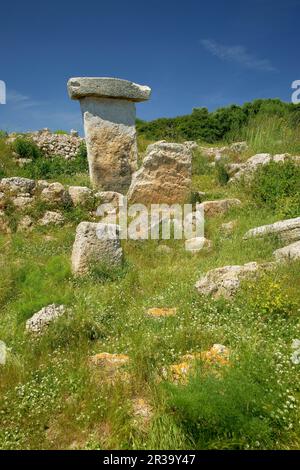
{"points": [[107, 87], [40, 320], [290, 252], [287, 230], [95, 243], [17, 185], [51, 218], [80, 195]]}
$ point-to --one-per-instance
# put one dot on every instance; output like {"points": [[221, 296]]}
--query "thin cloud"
{"points": [[237, 54], [20, 101]]}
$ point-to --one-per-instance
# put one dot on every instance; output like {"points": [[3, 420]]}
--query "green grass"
{"points": [[50, 398]]}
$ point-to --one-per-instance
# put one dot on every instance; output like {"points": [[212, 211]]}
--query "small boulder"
{"points": [[17, 185], [55, 193], [287, 230], [51, 218], [161, 312], [40, 320], [80, 195], [95, 243], [25, 224], [197, 244], [224, 282], [290, 252]]}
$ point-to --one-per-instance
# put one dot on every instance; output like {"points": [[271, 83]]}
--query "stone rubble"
{"points": [[42, 319]]}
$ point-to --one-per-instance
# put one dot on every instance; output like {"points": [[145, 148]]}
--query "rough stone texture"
{"points": [[110, 197], [246, 170], [80, 195], [55, 193], [197, 244], [287, 230], [40, 320], [25, 224], [290, 252], [17, 185], [239, 147], [94, 244], [108, 111], [219, 207], [109, 361], [109, 126], [225, 281], [51, 144], [107, 87], [165, 176], [51, 218], [21, 202]]}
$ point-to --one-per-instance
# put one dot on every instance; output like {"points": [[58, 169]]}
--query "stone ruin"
{"points": [[108, 109]]}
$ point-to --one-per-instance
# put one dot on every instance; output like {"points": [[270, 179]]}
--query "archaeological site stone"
{"points": [[108, 108], [95, 243], [287, 230], [165, 176]]}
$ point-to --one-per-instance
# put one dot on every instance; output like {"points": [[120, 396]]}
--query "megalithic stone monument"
{"points": [[108, 109]]}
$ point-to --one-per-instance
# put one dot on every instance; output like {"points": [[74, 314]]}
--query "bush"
{"points": [[275, 184], [235, 411], [25, 148]]}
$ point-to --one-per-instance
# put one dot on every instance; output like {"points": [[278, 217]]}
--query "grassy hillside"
{"points": [[50, 396]]}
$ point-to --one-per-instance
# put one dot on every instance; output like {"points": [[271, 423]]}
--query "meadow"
{"points": [[50, 396]]}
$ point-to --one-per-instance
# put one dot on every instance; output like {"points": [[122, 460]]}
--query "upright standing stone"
{"points": [[108, 108]]}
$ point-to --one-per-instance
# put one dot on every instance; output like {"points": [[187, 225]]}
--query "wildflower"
{"points": [[295, 357], [296, 344]]}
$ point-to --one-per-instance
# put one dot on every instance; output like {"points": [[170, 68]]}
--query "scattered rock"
{"points": [[113, 198], [95, 243], [165, 176], [287, 230], [51, 218], [239, 147], [16, 186], [2, 201], [225, 281], [191, 144], [162, 312], [246, 169], [55, 193], [21, 202], [80, 195], [219, 207], [290, 252], [42, 184], [40, 320], [218, 356], [25, 224], [197, 244]]}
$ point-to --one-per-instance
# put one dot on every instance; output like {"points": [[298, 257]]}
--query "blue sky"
{"points": [[192, 53]]}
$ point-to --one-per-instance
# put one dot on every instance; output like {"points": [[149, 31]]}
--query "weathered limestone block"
{"points": [[287, 230], [224, 282], [17, 185], [95, 243], [165, 176], [51, 218], [80, 195], [42, 319], [55, 194], [290, 252], [108, 110]]}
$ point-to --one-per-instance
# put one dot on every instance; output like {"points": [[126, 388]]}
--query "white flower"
{"points": [[295, 357], [296, 344]]}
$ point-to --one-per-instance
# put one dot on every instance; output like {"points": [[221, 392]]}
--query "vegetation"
{"points": [[50, 395]]}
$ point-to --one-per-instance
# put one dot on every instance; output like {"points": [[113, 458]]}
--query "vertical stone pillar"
{"points": [[108, 109]]}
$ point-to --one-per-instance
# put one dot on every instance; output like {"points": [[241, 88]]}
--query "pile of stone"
{"points": [[246, 169], [54, 144]]}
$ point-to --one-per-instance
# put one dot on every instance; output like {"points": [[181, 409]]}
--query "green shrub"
{"points": [[60, 132], [234, 411], [275, 184], [25, 148]]}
